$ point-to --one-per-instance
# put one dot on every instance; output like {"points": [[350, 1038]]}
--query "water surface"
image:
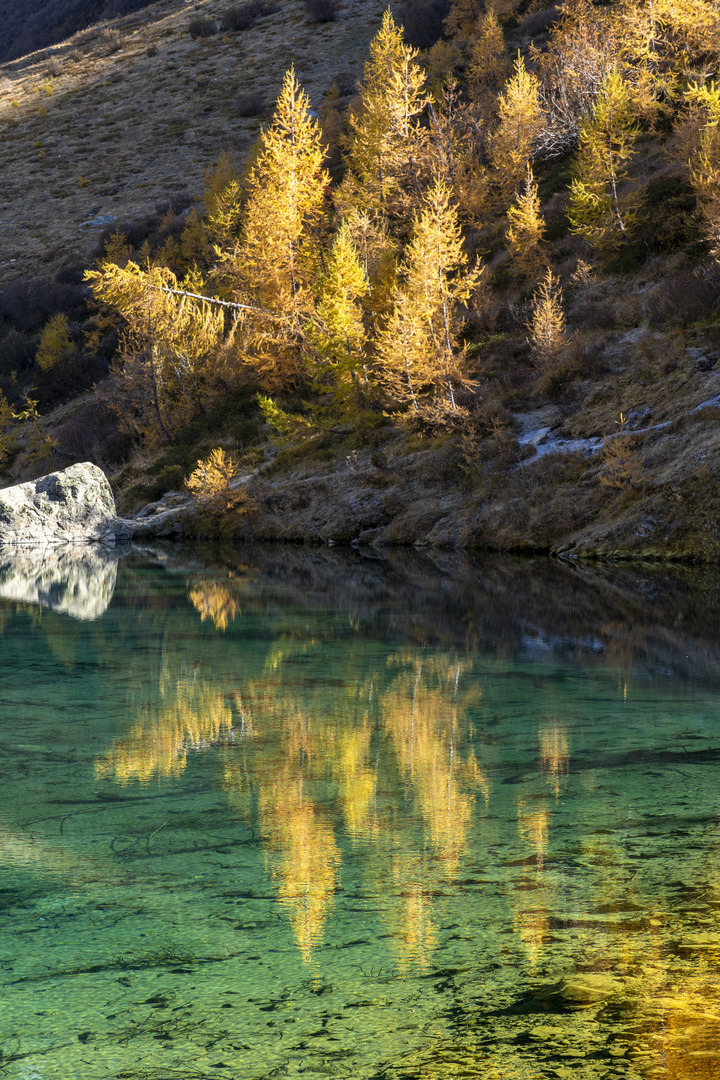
{"points": [[298, 812]]}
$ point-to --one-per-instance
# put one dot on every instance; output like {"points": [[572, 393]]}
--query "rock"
{"points": [[161, 524], [74, 506], [77, 580]]}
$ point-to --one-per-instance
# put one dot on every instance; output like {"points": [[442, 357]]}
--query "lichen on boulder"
{"points": [[74, 506]]}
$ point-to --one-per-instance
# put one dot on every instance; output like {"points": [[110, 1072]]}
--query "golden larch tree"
{"points": [[603, 205], [520, 122], [339, 330], [427, 318], [489, 65], [526, 228], [163, 374], [547, 331], [385, 140]]}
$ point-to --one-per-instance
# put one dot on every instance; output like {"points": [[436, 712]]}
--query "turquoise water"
{"points": [[302, 812]]}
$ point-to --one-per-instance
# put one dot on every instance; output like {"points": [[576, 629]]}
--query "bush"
{"points": [[210, 484], [200, 26], [423, 21], [539, 21], [322, 11], [250, 105], [238, 18], [111, 40]]}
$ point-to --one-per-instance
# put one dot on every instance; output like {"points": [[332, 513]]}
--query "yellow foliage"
{"points": [[520, 122], [548, 334], [210, 482], [56, 345], [214, 601], [621, 464], [526, 228]]}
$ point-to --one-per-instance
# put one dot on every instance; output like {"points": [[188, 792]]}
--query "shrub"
{"points": [[200, 26], [250, 105], [238, 18], [111, 40], [423, 21], [322, 11], [210, 484]]}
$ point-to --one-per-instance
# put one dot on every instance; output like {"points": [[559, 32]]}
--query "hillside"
{"points": [[129, 115], [35, 24], [553, 386]]}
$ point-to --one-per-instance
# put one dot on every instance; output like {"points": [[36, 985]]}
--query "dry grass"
{"points": [[118, 91]]}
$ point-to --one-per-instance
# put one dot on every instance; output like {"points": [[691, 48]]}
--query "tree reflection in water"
{"points": [[481, 754]]}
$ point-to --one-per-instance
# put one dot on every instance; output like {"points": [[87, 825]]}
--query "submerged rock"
{"points": [[76, 580], [75, 506]]}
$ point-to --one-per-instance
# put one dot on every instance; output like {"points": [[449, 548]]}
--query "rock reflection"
{"points": [[76, 580]]}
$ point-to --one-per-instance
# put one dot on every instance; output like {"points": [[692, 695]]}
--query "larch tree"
{"points": [[163, 373], [520, 123], [572, 67], [462, 18], [385, 140], [603, 206], [489, 65], [526, 228], [274, 265], [547, 332], [339, 330], [424, 328]]}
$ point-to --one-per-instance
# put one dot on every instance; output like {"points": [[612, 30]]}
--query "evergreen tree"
{"points": [[602, 209]]}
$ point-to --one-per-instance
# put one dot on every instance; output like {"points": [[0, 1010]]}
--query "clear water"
{"points": [[286, 812]]}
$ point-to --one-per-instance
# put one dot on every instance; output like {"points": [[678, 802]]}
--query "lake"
{"points": [[310, 812]]}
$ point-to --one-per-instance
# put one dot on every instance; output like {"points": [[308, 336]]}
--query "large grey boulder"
{"points": [[75, 506], [76, 580]]}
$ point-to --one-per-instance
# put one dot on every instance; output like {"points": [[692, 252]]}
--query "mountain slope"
{"points": [[100, 135], [35, 24]]}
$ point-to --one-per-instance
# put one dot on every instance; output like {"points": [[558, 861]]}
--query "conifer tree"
{"points": [[278, 258], [385, 140], [340, 333], [423, 331], [489, 65], [520, 123], [601, 208], [547, 331], [526, 228], [462, 18], [273, 266], [168, 337], [56, 345]]}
